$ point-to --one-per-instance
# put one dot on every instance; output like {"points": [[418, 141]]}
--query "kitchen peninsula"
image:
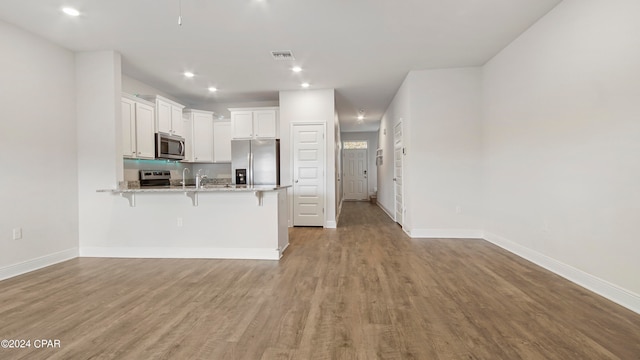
{"points": [[211, 221]]}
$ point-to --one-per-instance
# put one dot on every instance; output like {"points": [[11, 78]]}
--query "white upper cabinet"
{"points": [[242, 124], [164, 116], [168, 115], [222, 141], [200, 139], [145, 131], [176, 120], [188, 137], [128, 128], [254, 123], [265, 123], [138, 117]]}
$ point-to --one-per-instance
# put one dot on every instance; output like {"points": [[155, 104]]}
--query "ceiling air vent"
{"points": [[282, 55]]}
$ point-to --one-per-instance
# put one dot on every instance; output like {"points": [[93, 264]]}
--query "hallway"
{"points": [[450, 299]]}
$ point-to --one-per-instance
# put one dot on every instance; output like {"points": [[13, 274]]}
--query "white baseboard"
{"points": [[610, 291], [331, 224], [445, 233], [37, 263], [181, 253], [283, 249], [339, 211], [385, 210]]}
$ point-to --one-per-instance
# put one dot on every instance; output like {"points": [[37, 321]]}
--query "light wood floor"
{"points": [[363, 291]]}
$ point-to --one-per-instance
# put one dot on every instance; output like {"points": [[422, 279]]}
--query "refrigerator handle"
{"points": [[251, 167], [248, 179]]}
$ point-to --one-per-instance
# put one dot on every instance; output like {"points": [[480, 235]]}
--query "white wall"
{"points": [[562, 140], [372, 139], [398, 111], [309, 106], [38, 187], [100, 163], [440, 115], [135, 87], [442, 171]]}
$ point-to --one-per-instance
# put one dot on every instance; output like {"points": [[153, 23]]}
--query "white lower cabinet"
{"points": [[138, 128], [222, 141], [199, 125]]}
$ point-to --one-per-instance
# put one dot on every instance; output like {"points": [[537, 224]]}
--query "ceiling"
{"points": [[361, 48]]}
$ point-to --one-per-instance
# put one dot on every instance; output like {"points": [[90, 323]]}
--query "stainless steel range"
{"points": [[155, 178]]}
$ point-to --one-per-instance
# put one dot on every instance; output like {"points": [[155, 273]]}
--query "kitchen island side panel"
{"points": [[168, 225], [283, 220]]}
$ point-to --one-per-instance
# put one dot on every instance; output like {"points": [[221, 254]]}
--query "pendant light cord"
{"points": [[179, 12]]}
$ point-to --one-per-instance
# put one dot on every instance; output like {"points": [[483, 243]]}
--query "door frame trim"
{"points": [[401, 147]]}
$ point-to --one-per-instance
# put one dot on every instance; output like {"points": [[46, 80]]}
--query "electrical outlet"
{"points": [[17, 233], [458, 209], [179, 222]]}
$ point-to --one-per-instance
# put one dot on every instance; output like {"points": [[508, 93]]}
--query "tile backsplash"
{"points": [[213, 171]]}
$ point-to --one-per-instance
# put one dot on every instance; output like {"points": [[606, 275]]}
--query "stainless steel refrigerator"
{"points": [[255, 162]]}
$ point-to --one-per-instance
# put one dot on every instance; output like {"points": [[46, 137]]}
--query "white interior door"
{"points": [[308, 175], [397, 172], [354, 174]]}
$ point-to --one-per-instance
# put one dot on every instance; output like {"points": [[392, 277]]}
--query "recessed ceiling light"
{"points": [[189, 74], [71, 11], [212, 89], [305, 85], [360, 117], [296, 69]]}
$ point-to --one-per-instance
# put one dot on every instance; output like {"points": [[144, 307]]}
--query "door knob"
{"points": [[296, 181]]}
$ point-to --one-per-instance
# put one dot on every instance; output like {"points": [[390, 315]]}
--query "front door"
{"points": [[308, 175], [354, 174]]}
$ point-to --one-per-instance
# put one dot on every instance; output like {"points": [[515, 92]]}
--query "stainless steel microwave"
{"points": [[169, 146]]}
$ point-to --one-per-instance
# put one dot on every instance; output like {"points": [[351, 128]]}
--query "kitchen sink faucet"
{"points": [[199, 179], [184, 181]]}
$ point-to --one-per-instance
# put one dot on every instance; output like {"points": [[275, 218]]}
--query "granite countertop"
{"points": [[188, 188]]}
